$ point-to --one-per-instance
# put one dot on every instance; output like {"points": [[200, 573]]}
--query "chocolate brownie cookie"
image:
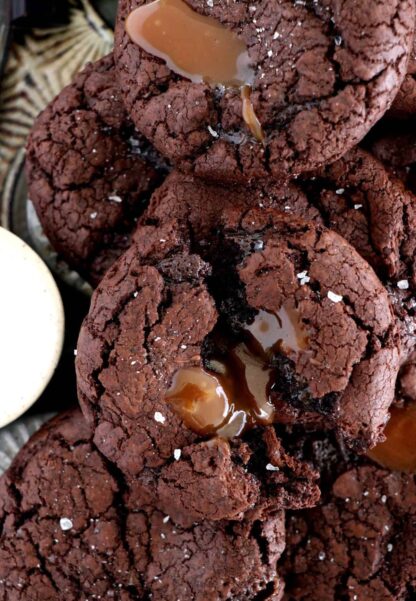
{"points": [[395, 146], [197, 205], [359, 545], [404, 105], [89, 173], [321, 75], [355, 196], [171, 326], [66, 531], [360, 199]]}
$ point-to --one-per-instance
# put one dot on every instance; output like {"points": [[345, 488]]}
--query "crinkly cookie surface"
{"points": [[360, 544], [324, 73], [67, 531], [160, 310], [88, 171]]}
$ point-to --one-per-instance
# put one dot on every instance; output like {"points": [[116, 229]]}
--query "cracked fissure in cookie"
{"points": [[196, 47], [398, 451], [234, 390]]}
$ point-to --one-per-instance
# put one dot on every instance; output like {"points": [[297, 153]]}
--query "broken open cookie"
{"points": [[205, 351]]}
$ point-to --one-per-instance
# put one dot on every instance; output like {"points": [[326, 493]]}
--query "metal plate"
{"points": [[13, 437]]}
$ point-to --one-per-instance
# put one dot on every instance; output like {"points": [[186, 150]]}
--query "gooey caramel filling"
{"points": [[235, 392], [196, 47], [398, 452]]}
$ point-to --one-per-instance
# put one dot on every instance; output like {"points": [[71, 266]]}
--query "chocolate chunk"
{"points": [[323, 75], [88, 171], [67, 529]]}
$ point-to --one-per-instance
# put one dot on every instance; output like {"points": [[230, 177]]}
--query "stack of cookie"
{"points": [[236, 182]]}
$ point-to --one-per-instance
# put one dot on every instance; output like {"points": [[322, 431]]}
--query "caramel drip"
{"points": [[398, 452], [236, 391], [197, 47], [249, 115]]}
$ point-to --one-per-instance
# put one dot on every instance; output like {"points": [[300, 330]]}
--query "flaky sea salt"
{"points": [[335, 298], [177, 454], [303, 277], [65, 524], [272, 468], [212, 131], [159, 417], [403, 284]]}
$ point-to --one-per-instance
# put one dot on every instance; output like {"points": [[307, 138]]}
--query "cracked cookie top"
{"points": [[366, 204], [394, 145], [66, 528], [324, 73], [404, 105], [360, 544], [286, 311], [356, 196], [89, 173]]}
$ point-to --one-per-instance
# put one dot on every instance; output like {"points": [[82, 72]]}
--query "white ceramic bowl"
{"points": [[31, 326]]}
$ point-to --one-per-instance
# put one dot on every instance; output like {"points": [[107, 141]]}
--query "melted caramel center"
{"points": [[279, 332], [398, 452], [235, 392], [197, 47]]}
